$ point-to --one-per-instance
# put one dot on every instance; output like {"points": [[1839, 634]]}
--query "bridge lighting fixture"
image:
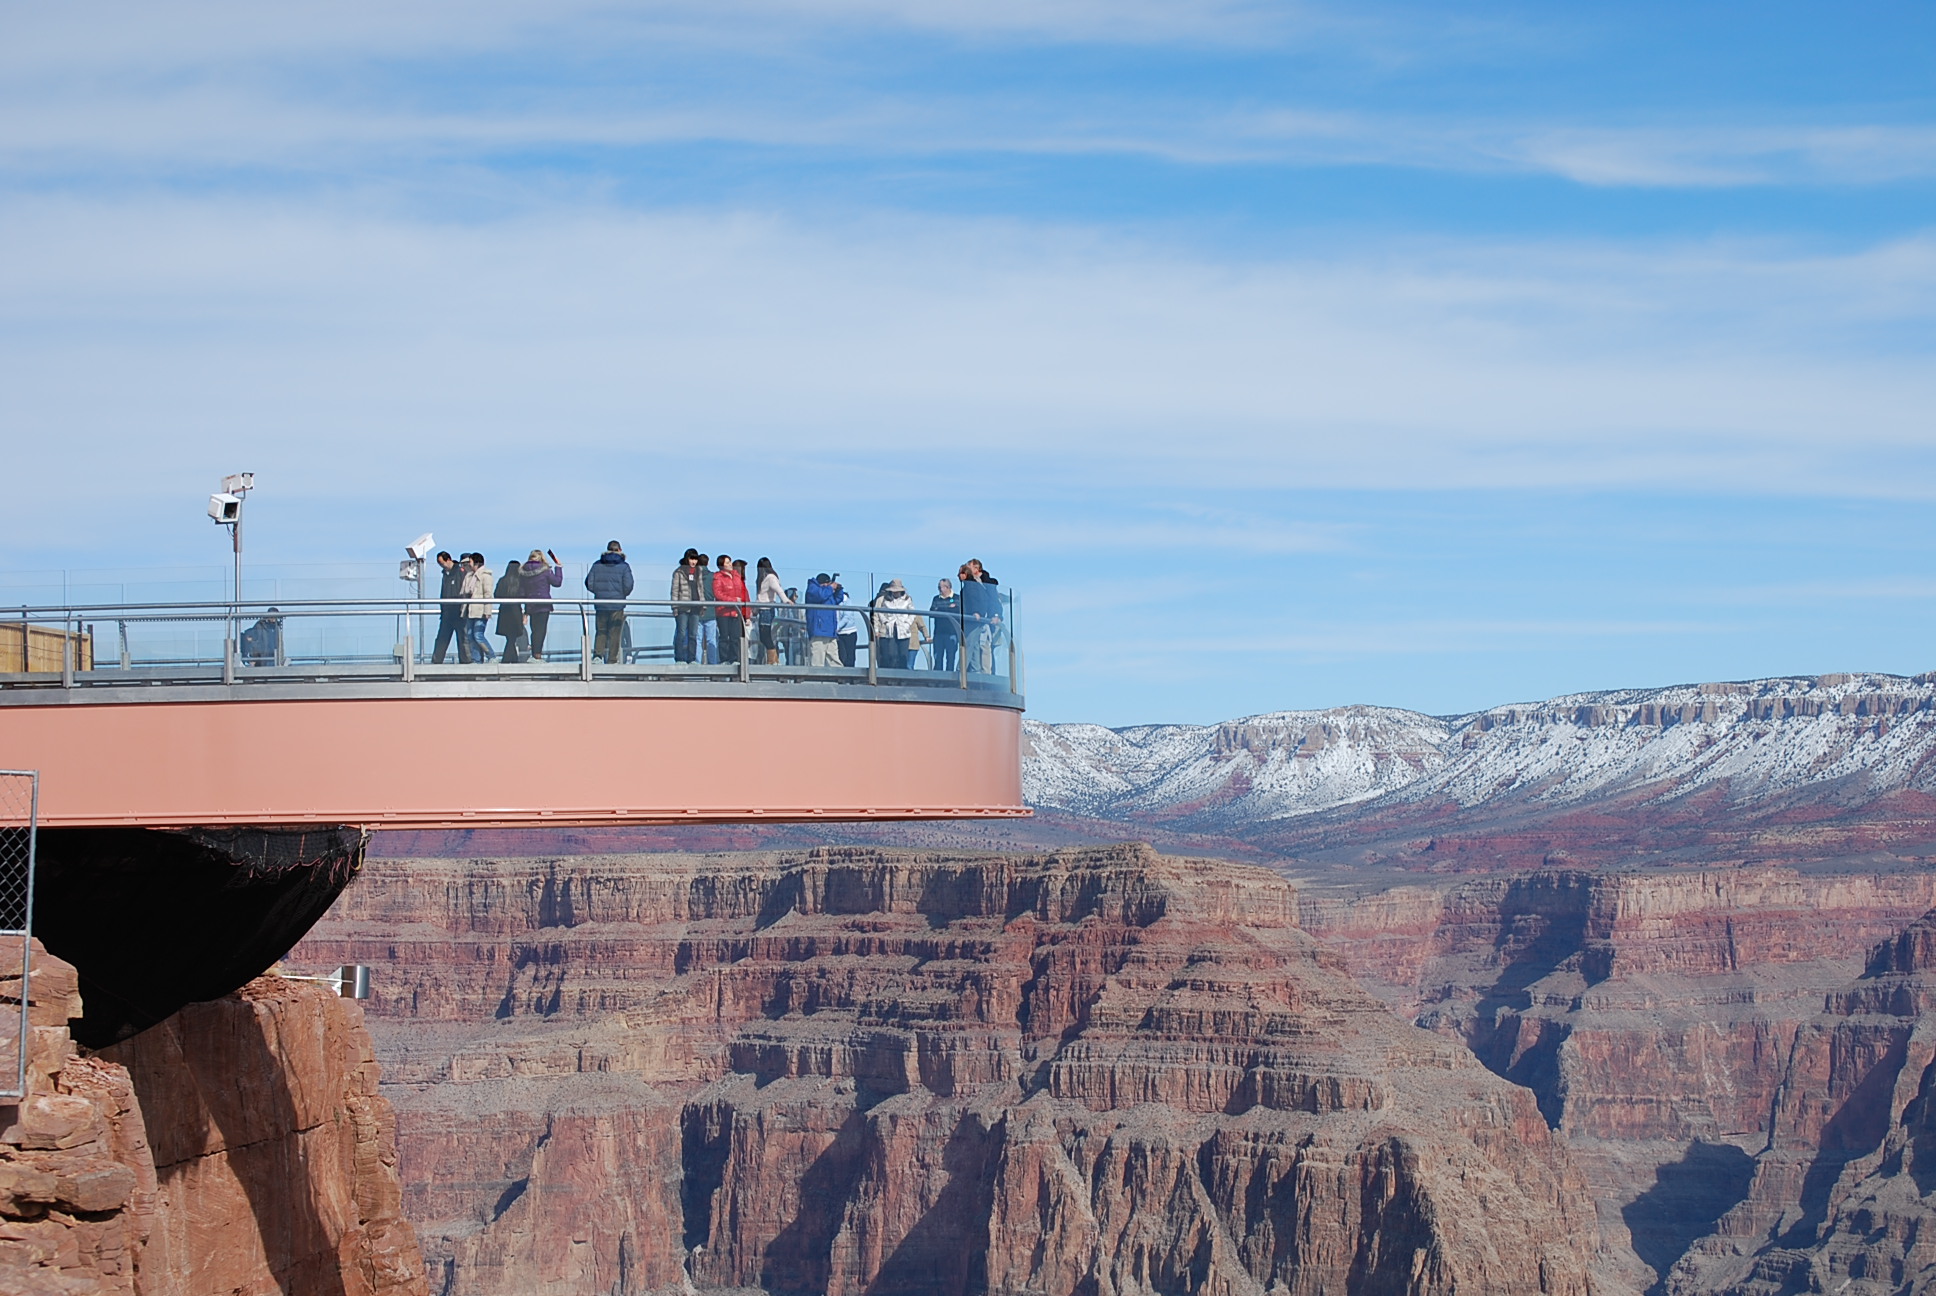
{"points": [[352, 980]]}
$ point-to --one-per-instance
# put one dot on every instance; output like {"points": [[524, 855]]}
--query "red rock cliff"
{"points": [[1670, 1024], [273, 1155], [1099, 1071]]}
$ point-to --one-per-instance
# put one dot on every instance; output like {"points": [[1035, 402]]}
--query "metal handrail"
{"points": [[414, 614]]}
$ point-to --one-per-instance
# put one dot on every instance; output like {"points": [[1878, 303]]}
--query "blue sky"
{"points": [[1278, 355]]}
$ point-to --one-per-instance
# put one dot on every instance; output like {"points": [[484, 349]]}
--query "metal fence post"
{"points": [[19, 824], [584, 656], [69, 646]]}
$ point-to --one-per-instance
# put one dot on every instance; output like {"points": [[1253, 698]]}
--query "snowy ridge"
{"points": [[1847, 737], [1240, 771]]}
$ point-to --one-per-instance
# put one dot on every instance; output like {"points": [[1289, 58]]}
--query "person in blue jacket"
{"points": [[823, 623], [981, 609], [610, 578]]}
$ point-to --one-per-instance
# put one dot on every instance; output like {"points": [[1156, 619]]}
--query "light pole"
{"points": [[225, 508]]}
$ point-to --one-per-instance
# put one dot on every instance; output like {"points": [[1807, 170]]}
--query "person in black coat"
{"points": [[450, 616], [509, 594]]}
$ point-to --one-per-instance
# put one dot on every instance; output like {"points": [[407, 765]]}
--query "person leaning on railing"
{"points": [[610, 578]]}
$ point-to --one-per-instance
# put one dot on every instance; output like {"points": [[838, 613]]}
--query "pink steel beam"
{"points": [[515, 762]]}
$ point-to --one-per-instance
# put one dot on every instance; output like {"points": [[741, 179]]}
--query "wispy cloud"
{"points": [[330, 89]]}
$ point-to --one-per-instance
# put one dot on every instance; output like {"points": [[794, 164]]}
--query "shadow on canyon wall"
{"points": [[1688, 1198]]}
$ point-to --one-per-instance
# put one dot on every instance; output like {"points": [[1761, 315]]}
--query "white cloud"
{"points": [[165, 329]]}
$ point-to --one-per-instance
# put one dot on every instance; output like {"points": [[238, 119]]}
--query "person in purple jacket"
{"points": [[540, 578]]}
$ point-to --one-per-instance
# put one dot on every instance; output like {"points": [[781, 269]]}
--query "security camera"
{"points": [[420, 547], [236, 483], [225, 508]]}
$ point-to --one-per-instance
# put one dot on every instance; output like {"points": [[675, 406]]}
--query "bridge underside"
{"points": [[513, 761]]}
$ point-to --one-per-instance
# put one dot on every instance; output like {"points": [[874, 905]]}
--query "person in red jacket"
{"points": [[729, 592]]}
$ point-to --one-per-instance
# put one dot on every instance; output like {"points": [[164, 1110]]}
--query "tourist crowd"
{"points": [[721, 614]]}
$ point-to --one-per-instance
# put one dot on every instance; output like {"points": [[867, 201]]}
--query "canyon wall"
{"points": [[857, 1070], [272, 1155], [1714, 1044], [241, 1148]]}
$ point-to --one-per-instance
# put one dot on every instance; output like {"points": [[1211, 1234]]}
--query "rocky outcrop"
{"points": [[856, 1070], [1843, 1194], [76, 1186], [270, 1155], [1670, 1024]]}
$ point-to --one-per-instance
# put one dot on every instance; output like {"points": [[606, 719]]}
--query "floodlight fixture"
{"points": [[237, 483], [420, 547], [225, 509], [352, 980]]}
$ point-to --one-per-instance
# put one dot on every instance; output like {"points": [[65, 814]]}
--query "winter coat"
{"points": [[477, 588], [729, 587], [610, 577], [540, 578], [822, 620], [688, 586], [946, 618], [453, 588], [890, 620], [981, 600], [510, 612]]}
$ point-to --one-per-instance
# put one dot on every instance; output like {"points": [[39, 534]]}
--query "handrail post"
{"points": [[745, 648], [584, 655], [228, 660], [69, 646], [961, 638]]}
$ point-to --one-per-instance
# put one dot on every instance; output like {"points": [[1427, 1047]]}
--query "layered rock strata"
{"points": [[857, 1070], [271, 1162], [1667, 1023], [1843, 1194]]}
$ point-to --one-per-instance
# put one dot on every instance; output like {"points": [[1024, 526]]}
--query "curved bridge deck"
{"points": [[407, 744]]}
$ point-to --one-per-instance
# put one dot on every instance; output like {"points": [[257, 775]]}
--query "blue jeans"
{"points": [[685, 637], [474, 631], [980, 648], [946, 654], [709, 642]]}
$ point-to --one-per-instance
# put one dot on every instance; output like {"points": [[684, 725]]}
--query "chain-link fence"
{"points": [[19, 806]]}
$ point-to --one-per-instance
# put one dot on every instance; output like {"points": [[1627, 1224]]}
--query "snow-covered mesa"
{"points": [[1863, 735]]}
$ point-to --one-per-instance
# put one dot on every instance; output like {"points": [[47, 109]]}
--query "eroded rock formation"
{"points": [[276, 1156], [1095, 1072], [272, 1153], [1673, 1027]]}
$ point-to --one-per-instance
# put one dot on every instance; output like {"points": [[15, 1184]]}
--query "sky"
{"points": [[1275, 355]]}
